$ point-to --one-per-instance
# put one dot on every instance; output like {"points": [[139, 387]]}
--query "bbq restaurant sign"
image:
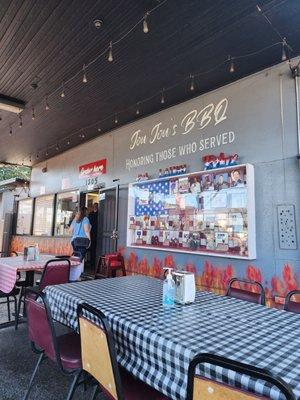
{"points": [[191, 126]]}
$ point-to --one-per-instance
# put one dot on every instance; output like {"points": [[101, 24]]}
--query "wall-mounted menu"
{"points": [[208, 212]]}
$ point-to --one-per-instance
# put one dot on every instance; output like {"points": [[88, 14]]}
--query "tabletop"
{"points": [[157, 344], [9, 266]]}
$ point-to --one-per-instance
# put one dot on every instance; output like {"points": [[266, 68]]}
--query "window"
{"points": [[66, 206], [43, 215], [24, 217]]}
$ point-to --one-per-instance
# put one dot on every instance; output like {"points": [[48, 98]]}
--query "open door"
{"points": [[108, 221]]}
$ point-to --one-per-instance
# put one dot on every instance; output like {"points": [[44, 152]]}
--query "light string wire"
{"points": [[164, 90]]}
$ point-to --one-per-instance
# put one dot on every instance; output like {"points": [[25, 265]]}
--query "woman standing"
{"points": [[81, 232]]}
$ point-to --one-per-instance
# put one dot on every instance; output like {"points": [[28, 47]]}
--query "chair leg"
{"points": [[74, 385], [16, 313], [8, 308], [41, 358], [95, 392], [19, 308]]}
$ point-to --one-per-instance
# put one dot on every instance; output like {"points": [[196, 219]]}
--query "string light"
{"points": [[47, 153], [137, 109], [99, 129], [82, 135], [110, 53], [192, 85], [20, 121], [116, 119], [10, 131], [33, 114], [162, 99], [231, 68], [283, 54], [47, 104], [145, 23], [57, 147], [84, 78], [62, 91], [68, 142]]}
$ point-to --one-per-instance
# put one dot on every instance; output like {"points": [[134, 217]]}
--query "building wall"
{"points": [[259, 124]]}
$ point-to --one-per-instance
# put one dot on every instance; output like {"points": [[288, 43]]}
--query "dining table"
{"points": [[10, 266], [156, 343]]}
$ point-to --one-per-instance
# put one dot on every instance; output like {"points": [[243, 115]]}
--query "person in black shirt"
{"points": [[93, 217]]}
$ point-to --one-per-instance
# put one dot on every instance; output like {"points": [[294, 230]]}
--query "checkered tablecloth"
{"points": [[156, 344], [9, 266]]}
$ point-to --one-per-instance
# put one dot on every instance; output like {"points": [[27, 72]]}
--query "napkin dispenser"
{"points": [[30, 253], [185, 289]]}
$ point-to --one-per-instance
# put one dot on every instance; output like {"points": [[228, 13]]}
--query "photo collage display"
{"points": [[199, 212]]}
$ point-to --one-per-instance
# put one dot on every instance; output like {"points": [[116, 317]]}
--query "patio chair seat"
{"points": [[14, 292], [135, 389], [70, 353]]}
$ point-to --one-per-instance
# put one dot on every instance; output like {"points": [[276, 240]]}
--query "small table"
{"points": [[9, 266], [156, 344]]}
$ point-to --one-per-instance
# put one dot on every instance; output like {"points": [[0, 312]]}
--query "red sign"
{"points": [[95, 168]]}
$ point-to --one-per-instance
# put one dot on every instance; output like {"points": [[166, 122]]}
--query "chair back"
{"points": [[41, 330], [56, 272], [206, 389], [244, 294], [98, 351], [291, 305]]}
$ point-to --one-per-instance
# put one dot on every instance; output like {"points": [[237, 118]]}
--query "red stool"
{"points": [[108, 266]]}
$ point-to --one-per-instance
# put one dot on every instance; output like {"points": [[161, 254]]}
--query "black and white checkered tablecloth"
{"points": [[157, 344]]}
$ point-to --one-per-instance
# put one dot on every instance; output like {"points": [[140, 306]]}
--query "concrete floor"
{"points": [[17, 362]]}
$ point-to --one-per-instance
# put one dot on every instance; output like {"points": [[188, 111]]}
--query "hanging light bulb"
{"points": [[137, 109], [162, 99], [231, 68], [283, 54], [47, 104], [47, 153], [192, 84], [57, 147], [145, 23], [33, 114], [116, 119], [10, 131], [82, 135], [20, 121], [99, 129], [84, 78], [62, 91], [110, 53], [68, 142]]}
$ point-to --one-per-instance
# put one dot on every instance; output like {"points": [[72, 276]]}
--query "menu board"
{"points": [[208, 212]]}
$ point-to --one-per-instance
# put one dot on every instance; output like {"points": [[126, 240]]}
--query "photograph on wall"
{"points": [[183, 185], [207, 182], [221, 181], [195, 185], [237, 178], [173, 186]]}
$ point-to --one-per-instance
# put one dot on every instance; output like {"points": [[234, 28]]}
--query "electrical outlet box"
{"points": [[287, 227]]}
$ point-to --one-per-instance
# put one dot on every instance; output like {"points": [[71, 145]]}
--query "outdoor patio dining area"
{"points": [[149, 200]]}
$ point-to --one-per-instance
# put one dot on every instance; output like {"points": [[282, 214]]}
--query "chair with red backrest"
{"points": [[99, 360], [209, 389], [247, 295], [63, 350], [291, 305], [55, 272], [109, 264]]}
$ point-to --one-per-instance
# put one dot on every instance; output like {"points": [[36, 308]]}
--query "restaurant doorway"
{"points": [[108, 221]]}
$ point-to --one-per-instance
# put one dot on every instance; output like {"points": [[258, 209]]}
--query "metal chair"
{"points": [[99, 360], [291, 305], [108, 266], [56, 271], [247, 295], [207, 389], [63, 350]]}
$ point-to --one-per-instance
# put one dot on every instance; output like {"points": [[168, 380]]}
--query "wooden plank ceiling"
{"points": [[47, 41]]}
